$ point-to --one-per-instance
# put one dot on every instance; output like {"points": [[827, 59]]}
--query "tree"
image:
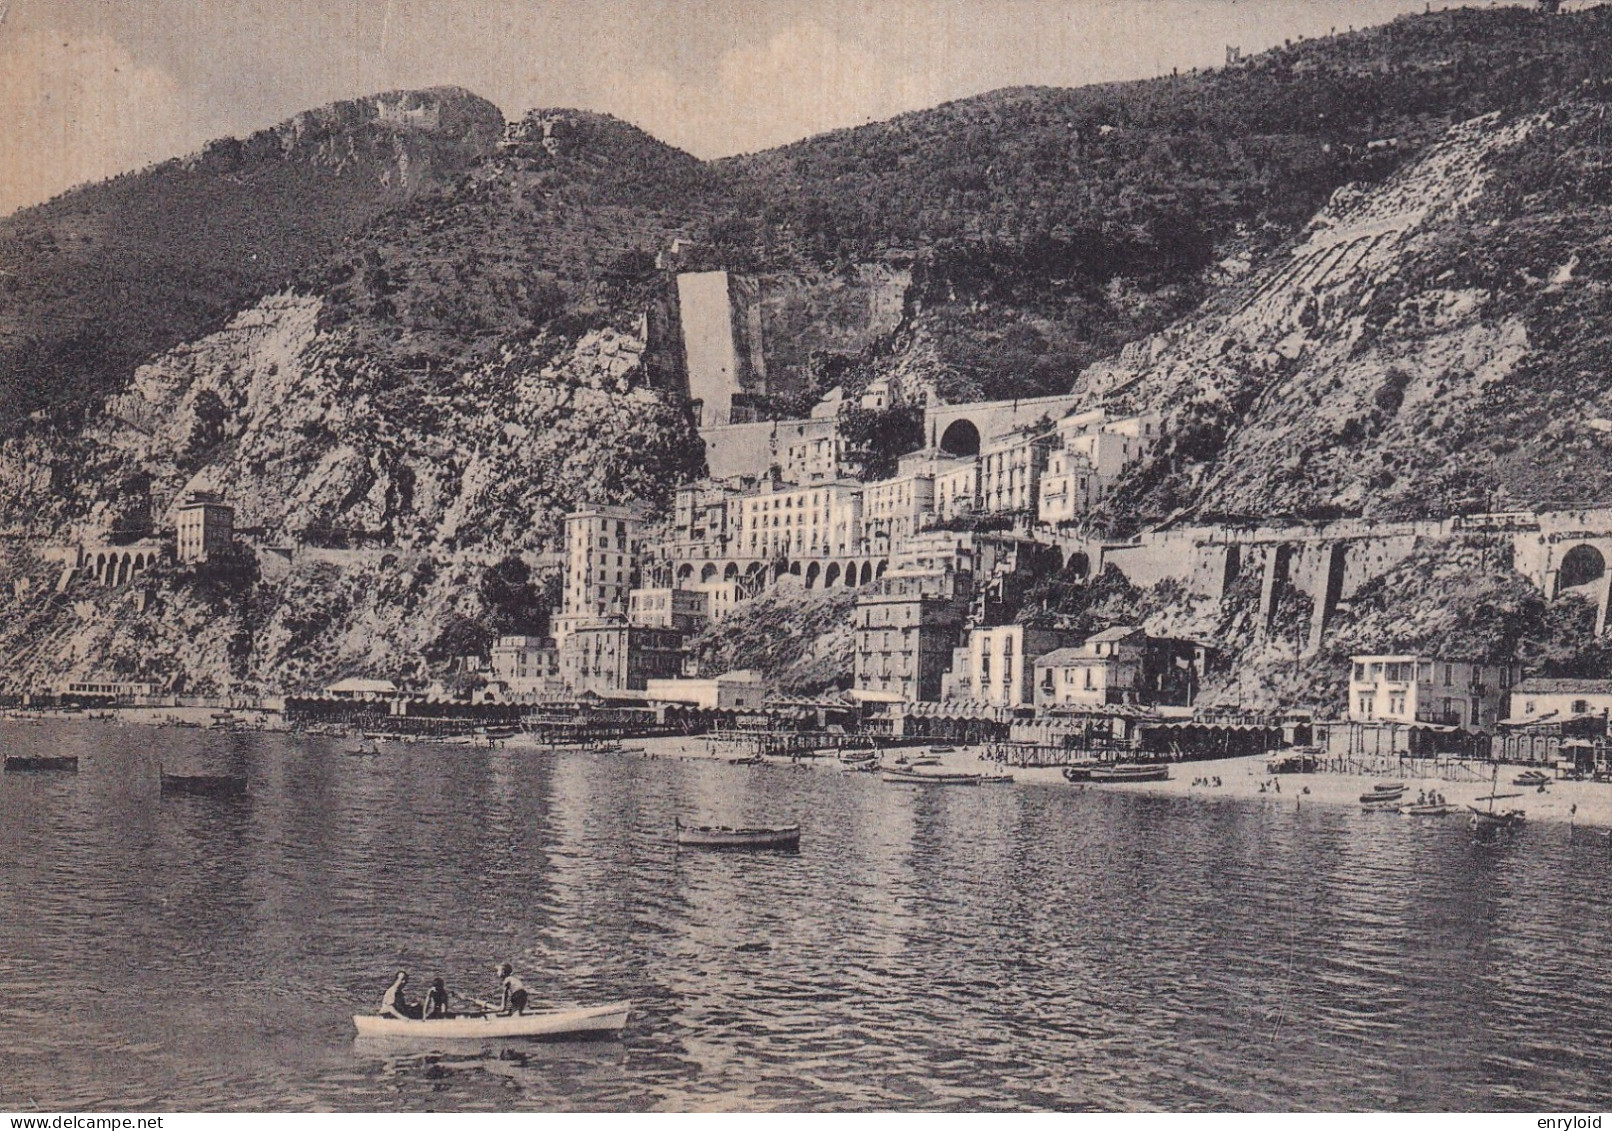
{"points": [[877, 439], [514, 604]]}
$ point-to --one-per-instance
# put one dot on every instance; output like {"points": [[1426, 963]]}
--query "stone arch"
{"points": [[1077, 564], [100, 568], [794, 568], [961, 438], [850, 576], [685, 572], [811, 574], [139, 563], [1233, 568], [731, 573], [832, 575], [879, 572], [867, 572], [1580, 566], [708, 573]]}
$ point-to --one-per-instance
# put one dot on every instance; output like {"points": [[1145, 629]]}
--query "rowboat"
{"points": [[1130, 771], [1531, 778], [20, 763], [786, 837], [1438, 809], [751, 760], [913, 777], [592, 1020], [996, 779], [942, 749], [921, 760], [1080, 771], [850, 756], [207, 785]]}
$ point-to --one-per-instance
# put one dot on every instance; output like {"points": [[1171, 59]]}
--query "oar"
{"points": [[476, 1001]]}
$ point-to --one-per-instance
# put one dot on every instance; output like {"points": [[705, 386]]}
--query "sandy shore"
{"points": [[1583, 803]]}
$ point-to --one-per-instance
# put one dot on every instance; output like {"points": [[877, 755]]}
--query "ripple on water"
{"points": [[1007, 949]]}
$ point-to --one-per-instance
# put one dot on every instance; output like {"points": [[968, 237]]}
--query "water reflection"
{"points": [[992, 948]]}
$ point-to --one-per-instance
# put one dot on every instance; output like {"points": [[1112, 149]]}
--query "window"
{"points": [[1368, 706], [1396, 703], [1449, 675], [1581, 707]]}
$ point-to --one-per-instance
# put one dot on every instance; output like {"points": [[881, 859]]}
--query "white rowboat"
{"points": [[592, 1020]]}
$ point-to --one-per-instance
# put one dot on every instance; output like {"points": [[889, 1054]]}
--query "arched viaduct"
{"points": [[756, 575]]}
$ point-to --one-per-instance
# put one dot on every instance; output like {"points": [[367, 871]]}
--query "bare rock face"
{"points": [[1391, 362], [108, 275]]}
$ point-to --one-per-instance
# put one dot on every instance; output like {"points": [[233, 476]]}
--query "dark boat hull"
{"points": [[1113, 775], [16, 763], [205, 785], [785, 838]]}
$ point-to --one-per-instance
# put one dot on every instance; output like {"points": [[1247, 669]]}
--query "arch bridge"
{"points": [[961, 429]]}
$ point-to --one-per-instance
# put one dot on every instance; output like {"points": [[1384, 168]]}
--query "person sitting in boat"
{"points": [[436, 1000], [513, 990], [395, 1004]]}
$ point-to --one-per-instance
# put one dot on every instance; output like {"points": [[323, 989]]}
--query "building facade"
{"points": [[957, 488], [527, 665], [997, 665], [1414, 688], [686, 610], [796, 523], [1011, 468], [730, 691], [907, 626], [1122, 666], [204, 525], [608, 658], [601, 547], [896, 509]]}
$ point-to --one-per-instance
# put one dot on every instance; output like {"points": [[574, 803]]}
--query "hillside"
{"points": [[1049, 227], [102, 278], [1368, 276], [1435, 345]]}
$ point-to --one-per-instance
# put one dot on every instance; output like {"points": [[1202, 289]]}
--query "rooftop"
{"points": [[1564, 687]]}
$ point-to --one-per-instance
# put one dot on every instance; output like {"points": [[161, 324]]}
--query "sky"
{"points": [[90, 88]]}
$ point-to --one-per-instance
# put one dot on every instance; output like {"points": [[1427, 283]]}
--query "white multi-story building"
{"points": [[997, 665], [527, 665], [1091, 454], [1011, 467], [204, 525], [601, 545], [797, 523], [896, 509], [1419, 689], [957, 487], [687, 610]]}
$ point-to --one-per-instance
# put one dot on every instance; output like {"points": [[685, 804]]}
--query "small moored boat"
{"points": [[914, 777], [205, 785], [20, 763], [1435, 809], [1130, 771], [1531, 779], [592, 1020], [785, 837], [1486, 818]]}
